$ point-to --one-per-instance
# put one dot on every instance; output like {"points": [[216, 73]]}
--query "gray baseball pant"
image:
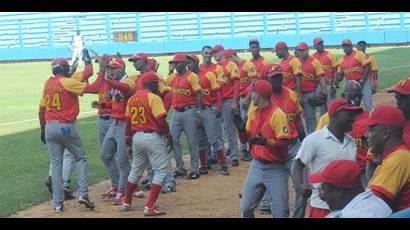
{"points": [[68, 164], [112, 149], [244, 114], [207, 131], [169, 179], [309, 112], [60, 137], [230, 129], [103, 126], [185, 122], [367, 95]]}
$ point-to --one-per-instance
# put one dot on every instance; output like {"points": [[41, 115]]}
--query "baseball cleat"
{"points": [[49, 184], [178, 174], [111, 193], [153, 212], [235, 162], [86, 202], [266, 211], [139, 194], [168, 189], [59, 209], [246, 156], [67, 194], [193, 176], [224, 170], [203, 170], [125, 207], [119, 199]]}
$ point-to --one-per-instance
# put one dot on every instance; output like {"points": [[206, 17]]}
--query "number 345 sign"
{"points": [[125, 36]]}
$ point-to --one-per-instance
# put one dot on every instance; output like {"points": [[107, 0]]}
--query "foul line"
{"points": [[30, 120]]}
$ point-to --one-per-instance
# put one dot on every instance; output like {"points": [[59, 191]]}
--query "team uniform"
{"points": [[260, 65], [352, 66], [183, 103], [311, 73], [291, 68], [59, 108], [268, 170]]}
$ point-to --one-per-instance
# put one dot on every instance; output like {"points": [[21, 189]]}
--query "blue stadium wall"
{"points": [[27, 36]]}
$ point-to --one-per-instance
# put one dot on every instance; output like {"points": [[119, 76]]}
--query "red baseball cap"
{"points": [[228, 53], [280, 45], [194, 57], [116, 64], [340, 173], [263, 88], [273, 70], [217, 48], [402, 87], [384, 115], [138, 56], [347, 42], [342, 104], [253, 41], [302, 46], [317, 40], [58, 62], [149, 77], [152, 63], [179, 57]]}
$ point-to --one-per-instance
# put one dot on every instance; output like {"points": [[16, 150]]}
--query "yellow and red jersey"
{"points": [[209, 84], [247, 71], [328, 61], [183, 89], [311, 73], [260, 65], [144, 108], [120, 98], [270, 123], [105, 99], [352, 65], [289, 102], [291, 68], [217, 70], [231, 72], [392, 176]]}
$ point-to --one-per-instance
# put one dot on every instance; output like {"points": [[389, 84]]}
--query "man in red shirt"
{"points": [[374, 71], [259, 61]]}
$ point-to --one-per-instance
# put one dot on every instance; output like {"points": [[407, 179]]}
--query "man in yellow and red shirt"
{"points": [[187, 105], [390, 169], [329, 66], [207, 125], [230, 97], [248, 75], [259, 61], [355, 66], [291, 67], [58, 111], [402, 95], [374, 71], [312, 76], [267, 133], [148, 133]]}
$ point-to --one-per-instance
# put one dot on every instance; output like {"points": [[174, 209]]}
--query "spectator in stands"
{"points": [[77, 46]]}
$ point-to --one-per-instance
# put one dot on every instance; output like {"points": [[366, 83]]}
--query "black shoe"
{"points": [[68, 195], [49, 184], [224, 170], [235, 162], [266, 211], [203, 170], [246, 156], [178, 174], [228, 152], [168, 189], [59, 209], [86, 202], [193, 176]]}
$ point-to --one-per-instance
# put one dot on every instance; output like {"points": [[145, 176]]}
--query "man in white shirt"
{"points": [[341, 189], [323, 146], [77, 46]]}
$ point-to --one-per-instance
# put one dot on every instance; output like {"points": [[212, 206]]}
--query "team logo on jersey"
{"points": [[285, 130]]}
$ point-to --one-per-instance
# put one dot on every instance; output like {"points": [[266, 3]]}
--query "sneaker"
{"points": [[86, 202], [125, 207], [59, 209], [266, 211], [203, 170], [168, 189], [109, 194], [235, 162], [178, 174], [193, 176], [49, 184], [224, 170], [146, 187], [153, 212], [246, 156], [119, 199], [139, 194], [67, 194]]}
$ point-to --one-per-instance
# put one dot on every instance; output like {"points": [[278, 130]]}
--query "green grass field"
{"points": [[24, 160]]}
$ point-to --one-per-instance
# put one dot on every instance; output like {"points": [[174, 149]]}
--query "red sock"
{"points": [[153, 195], [220, 156], [202, 158], [129, 190]]}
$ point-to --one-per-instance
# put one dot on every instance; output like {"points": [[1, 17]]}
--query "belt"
{"points": [[265, 162], [105, 117], [185, 108], [118, 121], [60, 121], [147, 131]]}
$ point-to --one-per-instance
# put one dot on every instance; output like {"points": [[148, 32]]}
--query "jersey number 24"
{"points": [[53, 101]]}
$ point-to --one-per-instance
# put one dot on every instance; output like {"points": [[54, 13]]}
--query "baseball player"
{"points": [[323, 146], [148, 132], [329, 66], [259, 61], [59, 107], [207, 125], [113, 148], [291, 67], [355, 66], [402, 95], [77, 46], [230, 96], [267, 133], [374, 71], [288, 101], [187, 105], [389, 170], [247, 74], [312, 75]]}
